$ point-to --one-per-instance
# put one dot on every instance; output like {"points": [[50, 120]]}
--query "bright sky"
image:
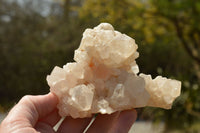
{"points": [[41, 6]]}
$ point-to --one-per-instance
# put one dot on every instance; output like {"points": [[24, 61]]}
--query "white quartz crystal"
{"points": [[104, 77]]}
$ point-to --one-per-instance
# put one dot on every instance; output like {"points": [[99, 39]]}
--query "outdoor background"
{"points": [[36, 35]]}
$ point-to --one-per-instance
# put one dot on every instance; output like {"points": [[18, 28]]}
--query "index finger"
{"points": [[114, 123]]}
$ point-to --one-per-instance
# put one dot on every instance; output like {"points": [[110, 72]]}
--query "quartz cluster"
{"points": [[105, 79]]}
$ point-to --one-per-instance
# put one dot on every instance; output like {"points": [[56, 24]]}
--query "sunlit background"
{"points": [[36, 35]]}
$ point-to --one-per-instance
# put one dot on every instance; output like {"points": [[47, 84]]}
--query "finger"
{"points": [[124, 121], [71, 125], [41, 127], [103, 123], [51, 119], [44, 104], [31, 108]]}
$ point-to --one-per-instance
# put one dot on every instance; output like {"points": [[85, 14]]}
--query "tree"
{"points": [[184, 15], [31, 44]]}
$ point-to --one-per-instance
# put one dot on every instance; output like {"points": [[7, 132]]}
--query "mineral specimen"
{"points": [[104, 77]]}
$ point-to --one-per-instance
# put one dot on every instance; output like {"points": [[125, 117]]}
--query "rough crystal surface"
{"points": [[104, 77]]}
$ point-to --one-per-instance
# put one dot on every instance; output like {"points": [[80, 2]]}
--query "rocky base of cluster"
{"points": [[104, 77]]}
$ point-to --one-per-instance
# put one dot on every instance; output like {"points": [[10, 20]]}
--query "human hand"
{"points": [[39, 114]]}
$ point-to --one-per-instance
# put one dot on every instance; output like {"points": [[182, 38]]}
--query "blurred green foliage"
{"points": [[167, 32], [30, 46]]}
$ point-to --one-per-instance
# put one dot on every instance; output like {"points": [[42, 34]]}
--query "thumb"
{"points": [[31, 108]]}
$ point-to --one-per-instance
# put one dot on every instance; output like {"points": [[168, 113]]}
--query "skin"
{"points": [[35, 114]]}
